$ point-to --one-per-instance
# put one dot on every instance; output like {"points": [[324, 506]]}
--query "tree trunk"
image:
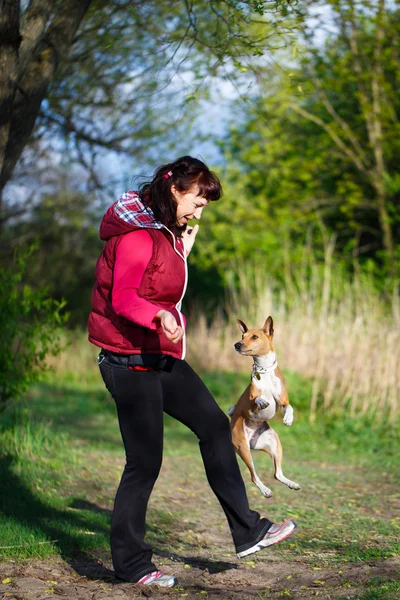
{"points": [[371, 110], [376, 135], [9, 44], [36, 73], [384, 219]]}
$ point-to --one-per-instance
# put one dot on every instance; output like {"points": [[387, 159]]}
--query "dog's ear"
{"points": [[269, 327], [242, 326]]}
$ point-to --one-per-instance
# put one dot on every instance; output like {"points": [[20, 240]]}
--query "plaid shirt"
{"points": [[131, 209]]}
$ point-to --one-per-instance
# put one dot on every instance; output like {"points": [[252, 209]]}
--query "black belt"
{"points": [[158, 362]]}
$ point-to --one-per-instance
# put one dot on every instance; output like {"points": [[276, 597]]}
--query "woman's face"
{"points": [[188, 204]]}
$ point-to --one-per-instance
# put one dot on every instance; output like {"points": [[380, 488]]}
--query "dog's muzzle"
{"points": [[238, 346]]}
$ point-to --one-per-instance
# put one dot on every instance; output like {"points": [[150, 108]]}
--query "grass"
{"points": [[61, 460], [340, 330], [379, 588]]}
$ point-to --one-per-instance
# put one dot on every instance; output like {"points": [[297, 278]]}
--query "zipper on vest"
{"points": [[179, 304]]}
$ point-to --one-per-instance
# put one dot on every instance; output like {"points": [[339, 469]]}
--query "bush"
{"points": [[30, 325]]}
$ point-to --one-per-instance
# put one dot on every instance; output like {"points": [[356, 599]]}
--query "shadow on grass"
{"points": [[64, 528], [83, 414], [91, 416], [81, 504], [19, 504]]}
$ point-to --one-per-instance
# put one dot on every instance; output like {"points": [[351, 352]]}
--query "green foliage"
{"points": [[55, 493], [293, 185], [64, 226], [290, 189], [138, 64], [30, 324]]}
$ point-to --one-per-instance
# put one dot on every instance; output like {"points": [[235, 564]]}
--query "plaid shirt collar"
{"points": [[131, 209]]}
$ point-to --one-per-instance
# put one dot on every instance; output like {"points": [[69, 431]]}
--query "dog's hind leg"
{"points": [[241, 446], [269, 442]]}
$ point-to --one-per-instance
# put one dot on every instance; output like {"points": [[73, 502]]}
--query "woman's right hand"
{"points": [[172, 330]]}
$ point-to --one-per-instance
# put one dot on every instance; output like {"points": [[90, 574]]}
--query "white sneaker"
{"points": [[158, 578], [276, 533]]}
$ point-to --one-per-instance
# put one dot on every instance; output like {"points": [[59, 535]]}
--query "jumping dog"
{"points": [[259, 403]]}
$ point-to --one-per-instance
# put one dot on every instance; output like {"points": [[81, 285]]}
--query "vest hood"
{"points": [[127, 214]]}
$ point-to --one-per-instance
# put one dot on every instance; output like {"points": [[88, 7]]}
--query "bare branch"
{"points": [[340, 121], [334, 136], [67, 125], [376, 81], [89, 166], [363, 95]]}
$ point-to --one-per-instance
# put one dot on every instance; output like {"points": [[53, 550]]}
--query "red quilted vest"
{"points": [[164, 283]]}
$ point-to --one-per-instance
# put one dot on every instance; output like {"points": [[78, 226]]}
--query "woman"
{"points": [[136, 320]]}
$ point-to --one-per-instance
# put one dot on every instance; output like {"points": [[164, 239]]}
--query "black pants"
{"points": [[141, 397]]}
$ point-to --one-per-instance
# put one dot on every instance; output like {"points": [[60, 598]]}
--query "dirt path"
{"points": [[200, 553], [269, 578]]}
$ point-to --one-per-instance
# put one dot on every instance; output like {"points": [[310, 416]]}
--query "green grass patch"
{"points": [[61, 459], [379, 588]]}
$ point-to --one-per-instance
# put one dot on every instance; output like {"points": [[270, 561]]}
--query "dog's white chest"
{"points": [[271, 388]]}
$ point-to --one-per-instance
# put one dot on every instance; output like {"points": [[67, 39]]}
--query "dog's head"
{"points": [[256, 342]]}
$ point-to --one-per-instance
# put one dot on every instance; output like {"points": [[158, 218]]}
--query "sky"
{"points": [[214, 115]]}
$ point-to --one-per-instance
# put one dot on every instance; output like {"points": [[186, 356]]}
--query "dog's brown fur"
{"points": [[246, 417]]}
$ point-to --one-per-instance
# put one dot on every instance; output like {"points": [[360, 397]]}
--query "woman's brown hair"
{"points": [[184, 173]]}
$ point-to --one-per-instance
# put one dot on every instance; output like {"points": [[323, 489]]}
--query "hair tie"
{"points": [[167, 175]]}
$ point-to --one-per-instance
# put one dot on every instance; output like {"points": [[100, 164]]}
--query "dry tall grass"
{"points": [[341, 333]]}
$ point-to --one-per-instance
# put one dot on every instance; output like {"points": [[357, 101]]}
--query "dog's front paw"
{"points": [[261, 403], [288, 416]]}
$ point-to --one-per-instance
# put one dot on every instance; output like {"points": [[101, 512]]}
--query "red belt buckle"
{"points": [[139, 368]]}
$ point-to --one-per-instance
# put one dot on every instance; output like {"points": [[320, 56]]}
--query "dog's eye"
{"points": [[254, 337]]}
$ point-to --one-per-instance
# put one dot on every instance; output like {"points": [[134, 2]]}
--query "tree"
{"points": [[361, 60], [99, 65], [317, 152], [64, 228], [32, 46], [30, 322]]}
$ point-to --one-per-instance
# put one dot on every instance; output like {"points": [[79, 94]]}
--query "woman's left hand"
{"points": [[189, 236], [172, 330]]}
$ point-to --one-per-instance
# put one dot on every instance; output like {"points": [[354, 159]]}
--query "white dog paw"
{"points": [[288, 415], [266, 492], [293, 485]]}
